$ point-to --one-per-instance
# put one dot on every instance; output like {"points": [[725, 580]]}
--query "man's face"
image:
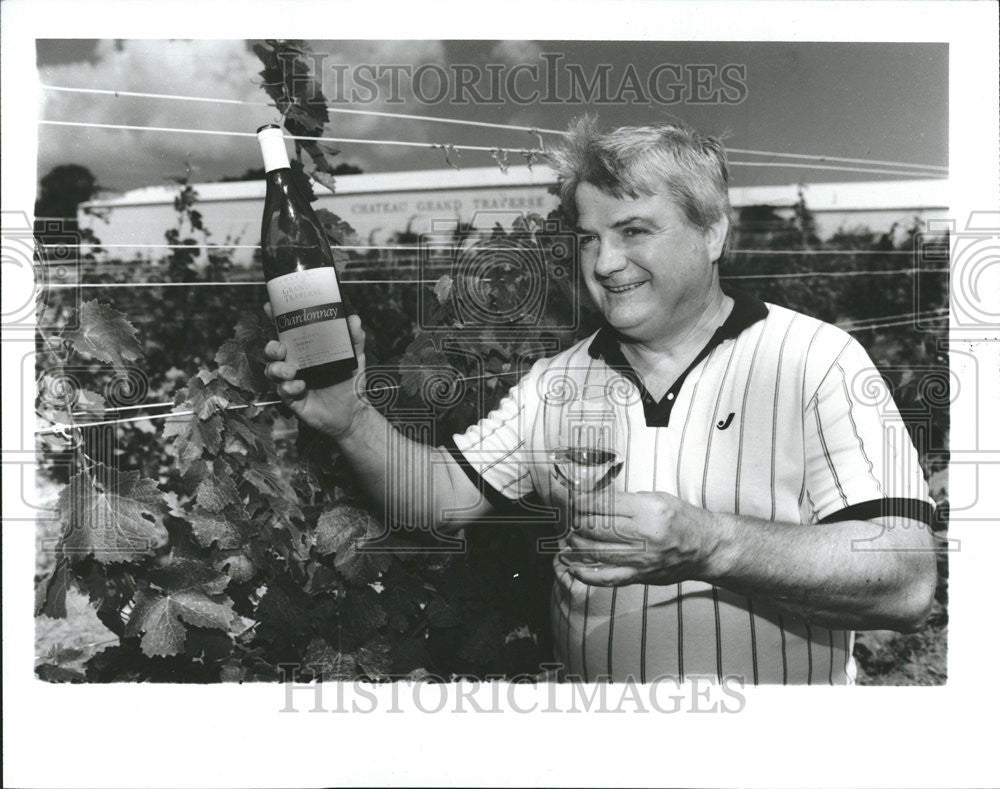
{"points": [[647, 268]]}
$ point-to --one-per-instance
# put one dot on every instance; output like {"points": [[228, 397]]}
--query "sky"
{"points": [[879, 101]]}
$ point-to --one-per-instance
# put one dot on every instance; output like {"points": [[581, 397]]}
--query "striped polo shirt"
{"points": [[780, 417]]}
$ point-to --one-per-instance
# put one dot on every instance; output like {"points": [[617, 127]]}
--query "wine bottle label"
{"points": [[310, 318]]}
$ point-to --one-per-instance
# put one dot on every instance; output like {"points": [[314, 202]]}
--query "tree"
{"points": [[62, 190], [250, 174], [345, 168], [257, 173]]}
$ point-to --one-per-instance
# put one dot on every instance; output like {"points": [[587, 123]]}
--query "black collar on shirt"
{"points": [[746, 311]]}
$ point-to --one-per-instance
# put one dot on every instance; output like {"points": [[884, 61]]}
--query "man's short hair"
{"points": [[634, 161]]}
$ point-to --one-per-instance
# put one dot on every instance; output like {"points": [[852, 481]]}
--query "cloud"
{"points": [[224, 69], [227, 69], [125, 159], [363, 59]]}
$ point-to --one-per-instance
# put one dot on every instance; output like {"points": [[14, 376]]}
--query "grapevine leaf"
{"points": [[301, 117], [287, 78], [162, 632], [281, 511], [112, 515], [441, 613], [338, 527], [174, 505], [115, 664], [208, 394], [329, 663], [193, 436], [63, 655], [183, 575], [212, 528], [198, 610], [253, 329], [89, 403], [106, 335], [326, 179], [204, 645], [339, 231], [402, 596], [234, 446], [442, 289], [161, 618], [283, 616], [321, 579], [319, 155], [255, 435], [364, 615], [298, 117], [50, 596], [269, 480], [421, 362], [240, 359], [238, 567], [217, 492], [374, 658], [48, 672], [344, 530], [520, 633], [299, 179], [241, 366], [232, 672]]}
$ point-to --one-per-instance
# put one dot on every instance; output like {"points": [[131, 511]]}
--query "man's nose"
{"points": [[610, 259]]}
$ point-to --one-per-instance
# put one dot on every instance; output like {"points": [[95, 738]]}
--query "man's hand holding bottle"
{"points": [[333, 410]]}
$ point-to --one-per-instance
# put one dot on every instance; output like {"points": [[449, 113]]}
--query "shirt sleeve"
{"points": [[860, 461], [496, 453]]}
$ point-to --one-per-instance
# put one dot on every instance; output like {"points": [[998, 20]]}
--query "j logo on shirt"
{"points": [[724, 423]]}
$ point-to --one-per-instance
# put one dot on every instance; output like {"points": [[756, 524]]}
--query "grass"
{"points": [[888, 658]]}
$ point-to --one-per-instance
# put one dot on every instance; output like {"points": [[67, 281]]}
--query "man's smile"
{"points": [[624, 288]]}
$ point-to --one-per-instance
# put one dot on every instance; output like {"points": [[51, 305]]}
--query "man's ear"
{"points": [[715, 237]]}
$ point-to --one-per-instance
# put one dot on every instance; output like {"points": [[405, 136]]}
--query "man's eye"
{"points": [[585, 239], [633, 232]]}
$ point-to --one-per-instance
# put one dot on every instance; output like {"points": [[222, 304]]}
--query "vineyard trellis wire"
{"points": [[500, 151], [932, 169]]}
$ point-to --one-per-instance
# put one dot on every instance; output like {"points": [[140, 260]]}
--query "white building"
{"points": [[379, 205]]}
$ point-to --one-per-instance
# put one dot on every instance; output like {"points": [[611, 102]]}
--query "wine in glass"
{"points": [[585, 469], [588, 462]]}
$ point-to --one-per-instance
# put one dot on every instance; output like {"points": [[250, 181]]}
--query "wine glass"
{"points": [[586, 463], [586, 460]]}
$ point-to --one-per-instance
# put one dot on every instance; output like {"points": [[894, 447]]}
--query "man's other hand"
{"points": [[628, 538]]}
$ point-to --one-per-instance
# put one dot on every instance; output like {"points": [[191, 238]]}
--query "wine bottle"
{"points": [[302, 283]]}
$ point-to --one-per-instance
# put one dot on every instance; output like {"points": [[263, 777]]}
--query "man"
{"points": [[759, 506]]}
